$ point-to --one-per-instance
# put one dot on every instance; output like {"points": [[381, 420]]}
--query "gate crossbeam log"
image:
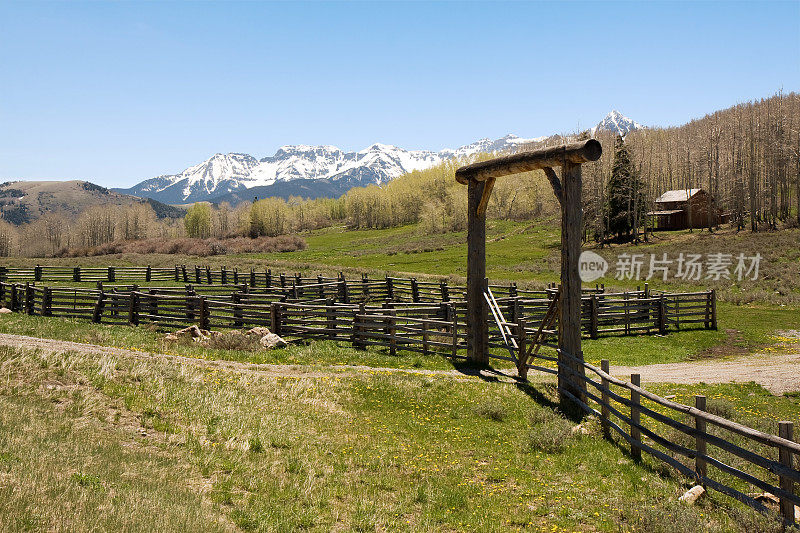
{"points": [[479, 179]]}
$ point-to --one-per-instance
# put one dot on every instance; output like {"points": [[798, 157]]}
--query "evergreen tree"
{"points": [[625, 202]]}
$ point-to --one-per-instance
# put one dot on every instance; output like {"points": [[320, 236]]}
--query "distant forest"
{"points": [[746, 156]]}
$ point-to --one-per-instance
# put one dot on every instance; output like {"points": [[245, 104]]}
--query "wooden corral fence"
{"points": [[239, 306]]}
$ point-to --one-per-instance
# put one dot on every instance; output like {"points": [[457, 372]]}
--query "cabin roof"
{"points": [[679, 195]]}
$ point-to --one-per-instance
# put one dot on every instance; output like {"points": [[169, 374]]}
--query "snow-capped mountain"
{"points": [[314, 171], [617, 123], [220, 174]]}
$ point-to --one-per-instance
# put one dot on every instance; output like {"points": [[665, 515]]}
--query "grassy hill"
{"points": [[26, 201]]}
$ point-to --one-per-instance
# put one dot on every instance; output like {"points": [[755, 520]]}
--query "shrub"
{"points": [[550, 432], [493, 411], [189, 246]]}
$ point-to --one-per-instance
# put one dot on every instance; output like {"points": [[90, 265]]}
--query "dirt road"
{"points": [[778, 373]]}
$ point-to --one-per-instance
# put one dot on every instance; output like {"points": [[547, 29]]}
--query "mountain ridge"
{"points": [[319, 170]]}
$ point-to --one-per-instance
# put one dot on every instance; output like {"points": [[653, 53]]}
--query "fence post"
{"points": [[183, 273], [197, 279], [205, 319], [97, 313], [522, 340], [320, 288], [191, 303], [209, 277], [133, 309], [330, 318], [14, 297], [713, 297], [424, 337], [414, 290], [224, 275], [76, 273], [268, 276], [47, 302], [605, 412], [365, 286], [455, 332], [391, 330], [153, 303], [112, 276], [593, 318], [343, 291], [636, 451], [445, 291], [357, 327], [252, 278], [237, 309], [177, 274], [661, 316], [235, 276], [389, 288], [29, 298], [275, 318], [700, 441], [785, 431], [37, 273]]}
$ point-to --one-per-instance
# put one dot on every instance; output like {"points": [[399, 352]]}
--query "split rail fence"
{"points": [[716, 452]]}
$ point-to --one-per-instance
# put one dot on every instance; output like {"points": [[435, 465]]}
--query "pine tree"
{"points": [[625, 202]]}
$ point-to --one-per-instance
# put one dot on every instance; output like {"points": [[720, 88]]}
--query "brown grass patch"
{"points": [[193, 247]]}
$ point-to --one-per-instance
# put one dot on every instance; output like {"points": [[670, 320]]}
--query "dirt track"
{"points": [[268, 370], [778, 373]]}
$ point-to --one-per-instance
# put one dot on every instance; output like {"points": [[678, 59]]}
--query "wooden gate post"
{"points": [[569, 330], [479, 179], [477, 313]]}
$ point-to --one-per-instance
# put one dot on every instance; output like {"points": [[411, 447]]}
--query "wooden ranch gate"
{"points": [[479, 179]]}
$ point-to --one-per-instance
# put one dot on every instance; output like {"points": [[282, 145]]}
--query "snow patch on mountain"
{"points": [[618, 123]]}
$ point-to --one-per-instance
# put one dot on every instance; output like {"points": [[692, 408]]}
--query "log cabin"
{"points": [[684, 208]]}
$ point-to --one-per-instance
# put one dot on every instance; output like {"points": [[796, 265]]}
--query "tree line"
{"points": [[747, 157]]}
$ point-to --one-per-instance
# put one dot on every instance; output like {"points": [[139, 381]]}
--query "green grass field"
{"points": [[115, 443]]}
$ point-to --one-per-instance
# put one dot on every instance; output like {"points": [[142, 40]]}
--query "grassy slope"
{"points": [[97, 442]]}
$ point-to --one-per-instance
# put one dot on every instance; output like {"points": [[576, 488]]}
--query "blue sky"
{"points": [[118, 92]]}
